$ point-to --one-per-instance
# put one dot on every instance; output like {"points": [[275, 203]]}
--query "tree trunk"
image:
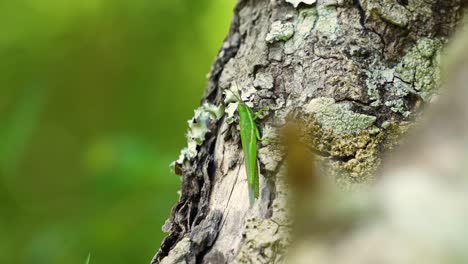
{"points": [[357, 72]]}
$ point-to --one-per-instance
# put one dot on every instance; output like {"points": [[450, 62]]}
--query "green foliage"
{"points": [[94, 98]]}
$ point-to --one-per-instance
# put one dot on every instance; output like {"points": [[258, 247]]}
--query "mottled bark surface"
{"points": [[357, 72]]}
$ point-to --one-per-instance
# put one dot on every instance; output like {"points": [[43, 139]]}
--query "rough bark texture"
{"points": [[357, 72]]}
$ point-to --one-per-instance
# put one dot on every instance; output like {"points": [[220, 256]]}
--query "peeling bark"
{"points": [[358, 72]]}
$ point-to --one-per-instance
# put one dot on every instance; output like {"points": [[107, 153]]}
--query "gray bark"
{"points": [[357, 72]]}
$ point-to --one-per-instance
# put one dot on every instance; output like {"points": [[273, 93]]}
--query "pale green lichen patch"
{"points": [[214, 112], [232, 94], [398, 106], [338, 117], [420, 67], [230, 110], [305, 24], [198, 125], [327, 22], [280, 31], [417, 73], [198, 128]]}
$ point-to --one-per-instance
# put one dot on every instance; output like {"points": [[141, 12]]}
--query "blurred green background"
{"points": [[94, 98]]}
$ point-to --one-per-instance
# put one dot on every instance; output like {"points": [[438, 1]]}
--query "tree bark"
{"points": [[357, 72]]}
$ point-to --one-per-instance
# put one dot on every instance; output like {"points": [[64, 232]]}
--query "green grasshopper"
{"points": [[249, 136]]}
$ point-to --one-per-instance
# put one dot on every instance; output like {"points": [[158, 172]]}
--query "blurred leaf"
{"points": [[20, 126], [95, 95], [88, 259]]}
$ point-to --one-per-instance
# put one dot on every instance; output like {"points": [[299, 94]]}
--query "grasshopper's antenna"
{"points": [[237, 92], [237, 81]]}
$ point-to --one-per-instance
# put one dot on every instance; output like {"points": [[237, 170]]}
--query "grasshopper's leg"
{"points": [[259, 112], [257, 134], [263, 141]]}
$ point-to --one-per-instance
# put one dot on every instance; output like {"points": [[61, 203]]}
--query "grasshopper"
{"points": [[250, 135]]}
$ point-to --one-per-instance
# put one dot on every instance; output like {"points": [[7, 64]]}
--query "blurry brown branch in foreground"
{"points": [[316, 207], [300, 160]]}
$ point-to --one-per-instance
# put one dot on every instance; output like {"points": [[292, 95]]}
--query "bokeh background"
{"points": [[94, 98]]}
